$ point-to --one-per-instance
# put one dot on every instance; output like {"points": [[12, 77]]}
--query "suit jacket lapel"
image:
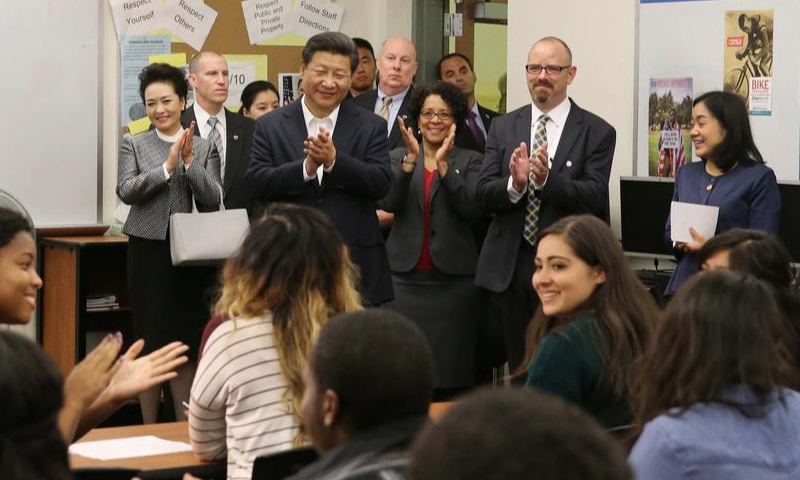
{"points": [[522, 133], [418, 181], [187, 117], [451, 167], [572, 129], [233, 161], [345, 129]]}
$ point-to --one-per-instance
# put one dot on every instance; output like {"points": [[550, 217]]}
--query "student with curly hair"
{"points": [[291, 274]]}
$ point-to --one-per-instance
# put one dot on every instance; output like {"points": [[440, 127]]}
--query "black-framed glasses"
{"points": [[443, 116], [535, 69]]}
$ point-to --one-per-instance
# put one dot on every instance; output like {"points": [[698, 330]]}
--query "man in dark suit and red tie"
{"points": [[456, 69], [543, 162], [330, 155], [231, 133]]}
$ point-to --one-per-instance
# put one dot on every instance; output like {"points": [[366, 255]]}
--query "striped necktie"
{"points": [[385, 108], [532, 205], [218, 169]]}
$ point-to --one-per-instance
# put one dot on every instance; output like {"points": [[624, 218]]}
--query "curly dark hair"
{"points": [[11, 223], [163, 72], [451, 95]]}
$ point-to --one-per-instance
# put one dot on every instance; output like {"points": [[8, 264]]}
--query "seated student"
{"points": [[515, 435], [594, 319], [291, 273], [99, 384], [369, 382], [31, 443], [763, 256], [709, 394]]}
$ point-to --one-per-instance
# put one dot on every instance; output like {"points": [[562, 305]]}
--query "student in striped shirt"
{"points": [[291, 273]]}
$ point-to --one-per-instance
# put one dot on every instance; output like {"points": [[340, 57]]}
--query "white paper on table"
{"points": [[143, 446], [702, 218]]}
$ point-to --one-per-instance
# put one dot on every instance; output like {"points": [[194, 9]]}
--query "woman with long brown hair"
{"points": [[290, 275], [594, 319], [708, 394]]}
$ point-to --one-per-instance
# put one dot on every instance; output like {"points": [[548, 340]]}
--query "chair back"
{"points": [[278, 466]]}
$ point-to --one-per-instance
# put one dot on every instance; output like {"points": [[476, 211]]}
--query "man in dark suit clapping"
{"points": [[543, 162], [329, 155]]}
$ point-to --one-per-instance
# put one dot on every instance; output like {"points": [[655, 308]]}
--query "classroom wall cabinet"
{"points": [[77, 269]]}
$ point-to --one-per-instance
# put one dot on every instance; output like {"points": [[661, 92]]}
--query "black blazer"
{"points": [[360, 177], [464, 137], [368, 100], [453, 213], [577, 183], [239, 140]]}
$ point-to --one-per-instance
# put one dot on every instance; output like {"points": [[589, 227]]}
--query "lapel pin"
{"points": [[569, 163], [236, 137]]}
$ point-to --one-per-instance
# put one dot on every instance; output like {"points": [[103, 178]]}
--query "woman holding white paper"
{"points": [[732, 176]]}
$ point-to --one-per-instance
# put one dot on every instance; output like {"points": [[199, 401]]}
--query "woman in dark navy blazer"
{"points": [[432, 247], [732, 176]]}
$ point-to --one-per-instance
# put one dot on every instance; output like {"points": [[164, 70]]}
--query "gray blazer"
{"points": [[453, 213], [141, 183]]}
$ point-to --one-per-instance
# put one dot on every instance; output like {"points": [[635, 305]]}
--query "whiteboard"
{"points": [[51, 114], [687, 39]]}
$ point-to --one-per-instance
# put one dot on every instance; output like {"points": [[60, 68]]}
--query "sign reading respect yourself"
{"points": [[137, 17], [189, 20]]}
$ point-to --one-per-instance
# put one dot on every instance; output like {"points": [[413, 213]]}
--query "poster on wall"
{"points": [[748, 58], [290, 88], [669, 113]]}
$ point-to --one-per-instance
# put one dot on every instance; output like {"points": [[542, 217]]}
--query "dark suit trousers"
{"points": [[516, 305]]}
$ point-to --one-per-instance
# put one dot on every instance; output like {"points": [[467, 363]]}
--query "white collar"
{"points": [[202, 116], [396, 98], [309, 117], [558, 114], [169, 138]]}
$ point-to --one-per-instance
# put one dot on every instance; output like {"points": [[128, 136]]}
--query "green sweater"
{"points": [[567, 364]]}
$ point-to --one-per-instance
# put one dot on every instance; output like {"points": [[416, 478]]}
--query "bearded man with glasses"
{"points": [[544, 161]]}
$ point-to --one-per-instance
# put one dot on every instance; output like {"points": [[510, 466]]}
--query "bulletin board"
{"points": [[687, 39]]}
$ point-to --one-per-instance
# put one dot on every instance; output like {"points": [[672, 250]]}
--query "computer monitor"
{"points": [[644, 208], [790, 217]]}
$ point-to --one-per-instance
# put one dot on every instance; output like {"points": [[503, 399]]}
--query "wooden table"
{"points": [[176, 431]]}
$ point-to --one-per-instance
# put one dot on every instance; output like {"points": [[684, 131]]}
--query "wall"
{"points": [[602, 36], [371, 19]]}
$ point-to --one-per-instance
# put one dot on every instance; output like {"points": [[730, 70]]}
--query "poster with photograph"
{"points": [[669, 113], [748, 58], [290, 87]]}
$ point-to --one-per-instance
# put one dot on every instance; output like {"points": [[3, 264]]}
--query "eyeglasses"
{"points": [[554, 70], [443, 116]]}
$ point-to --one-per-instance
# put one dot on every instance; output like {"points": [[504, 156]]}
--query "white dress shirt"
{"points": [[312, 125], [394, 107], [205, 130], [554, 126]]}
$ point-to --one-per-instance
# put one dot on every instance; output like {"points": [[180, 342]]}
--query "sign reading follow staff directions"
{"points": [[137, 17], [190, 20], [266, 19], [315, 16]]}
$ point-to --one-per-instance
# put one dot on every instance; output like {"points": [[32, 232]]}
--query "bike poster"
{"points": [[669, 113], [748, 58]]}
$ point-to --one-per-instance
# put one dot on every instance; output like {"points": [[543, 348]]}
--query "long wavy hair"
{"points": [[626, 310], [718, 331], [294, 264]]}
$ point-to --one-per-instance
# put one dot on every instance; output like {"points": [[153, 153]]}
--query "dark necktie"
{"points": [[472, 123]]}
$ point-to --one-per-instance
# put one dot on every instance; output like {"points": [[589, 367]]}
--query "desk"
{"points": [[177, 431]]}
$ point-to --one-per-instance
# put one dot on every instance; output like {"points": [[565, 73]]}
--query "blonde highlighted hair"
{"points": [[294, 264]]}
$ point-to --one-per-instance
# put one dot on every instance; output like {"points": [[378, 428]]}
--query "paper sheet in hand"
{"points": [[128, 448], [702, 218]]}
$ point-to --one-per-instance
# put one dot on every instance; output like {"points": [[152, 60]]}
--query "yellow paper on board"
{"points": [[138, 126], [260, 62], [177, 60]]}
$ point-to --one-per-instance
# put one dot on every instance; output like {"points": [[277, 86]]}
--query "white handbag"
{"points": [[206, 238]]}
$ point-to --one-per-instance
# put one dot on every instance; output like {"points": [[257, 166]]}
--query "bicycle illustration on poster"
{"points": [[748, 58]]}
